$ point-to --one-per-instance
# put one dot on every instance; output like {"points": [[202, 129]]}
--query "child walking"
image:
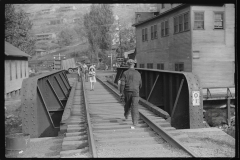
{"points": [[92, 75]]}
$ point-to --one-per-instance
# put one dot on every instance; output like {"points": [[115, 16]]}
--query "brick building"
{"points": [[16, 69], [189, 37]]}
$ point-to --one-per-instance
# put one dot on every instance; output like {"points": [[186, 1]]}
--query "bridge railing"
{"points": [[43, 99], [177, 93]]}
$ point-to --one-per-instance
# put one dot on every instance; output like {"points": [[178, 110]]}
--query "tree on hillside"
{"points": [[17, 29], [65, 37], [97, 25], [128, 39]]}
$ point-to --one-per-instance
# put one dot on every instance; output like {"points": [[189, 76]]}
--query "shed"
{"points": [[16, 69]]}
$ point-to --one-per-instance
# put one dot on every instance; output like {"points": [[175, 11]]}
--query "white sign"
{"points": [[196, 98]]}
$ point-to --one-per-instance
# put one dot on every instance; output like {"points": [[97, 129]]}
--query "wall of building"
{"points": [[213, 49], [168, 50], [17, 67]]}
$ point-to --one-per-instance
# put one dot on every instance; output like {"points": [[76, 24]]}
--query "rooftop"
{"points": [[10, 50]]}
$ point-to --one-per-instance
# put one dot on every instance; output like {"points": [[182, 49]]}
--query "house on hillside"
{"points": [[45, 36], [16, 69], [57, 21], [66, 8], [196, 38], [40, 52]]}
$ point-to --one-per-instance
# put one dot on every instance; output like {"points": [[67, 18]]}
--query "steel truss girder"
{"points": [[42, 103], [172, 91]]}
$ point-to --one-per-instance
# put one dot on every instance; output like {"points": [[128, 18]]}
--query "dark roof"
{"points": [[158, 16], [173, 10], [10, 50]]}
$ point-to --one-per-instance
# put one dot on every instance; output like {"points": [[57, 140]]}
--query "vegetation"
{"points": [[97, 25], [65, 38], [17, 29]]}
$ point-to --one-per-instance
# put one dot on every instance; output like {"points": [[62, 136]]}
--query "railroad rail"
{"points": [[97, 117]]}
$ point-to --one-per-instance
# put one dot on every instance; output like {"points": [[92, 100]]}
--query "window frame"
{"points": [[175, 23], [166, 28], [146, 34], [180, 24], [160, 66], [162, 29], [177, 65], [143, 34], [150, 65], [184, 22], [198, 20], [141, 65], [155, 31], [152, 33], [214, 20]]}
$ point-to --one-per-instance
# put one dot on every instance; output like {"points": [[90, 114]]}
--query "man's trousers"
{"points": [[131, 103]]}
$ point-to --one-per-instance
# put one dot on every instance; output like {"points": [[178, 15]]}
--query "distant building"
{"points": [[57, 21], [45, 36], [197, 38], [16, 69], [47, 11], [40, 52], [66, 8]]}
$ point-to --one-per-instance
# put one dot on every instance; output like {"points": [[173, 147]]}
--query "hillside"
{"points": [[42, 21]]}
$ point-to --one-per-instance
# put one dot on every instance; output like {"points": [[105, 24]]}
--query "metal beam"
{"points": [[60, 86], [55, 94], [45, 105], [175, 103], [152, 87]]}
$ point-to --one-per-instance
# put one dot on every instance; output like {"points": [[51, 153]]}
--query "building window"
{"points": [[176, 25], [149, 65], [179, 66], [155, 31], [186, 21], [163, 6], [199, 20], [21, 68], [10, 63], [143, 34], [160, 66], [146, 36], [141, 65], [164, 28], [16, 69], [152, 32], [180, 23], [218, 20]]}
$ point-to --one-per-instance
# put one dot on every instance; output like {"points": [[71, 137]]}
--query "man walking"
{"points": [[130, 83]]}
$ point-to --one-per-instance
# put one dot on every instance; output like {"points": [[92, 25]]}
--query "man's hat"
{"points": [[131, 61]]}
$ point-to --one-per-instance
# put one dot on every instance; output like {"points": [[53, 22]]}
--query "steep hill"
{"points": [[42, 19]]}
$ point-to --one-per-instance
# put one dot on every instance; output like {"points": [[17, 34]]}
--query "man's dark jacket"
{"points": [[131, 81]]}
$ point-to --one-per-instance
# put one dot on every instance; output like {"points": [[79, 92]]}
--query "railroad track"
{"points": [[97, 128]]}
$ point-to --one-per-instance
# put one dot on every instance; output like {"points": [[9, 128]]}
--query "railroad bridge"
{"points": [[93, 121]]}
